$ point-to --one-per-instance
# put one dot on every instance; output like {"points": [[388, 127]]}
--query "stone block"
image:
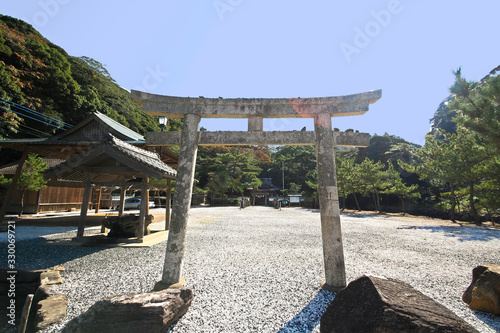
{"points": [[483, 293], [376, 304], [151, 312], [126, 226], [50, 310], [47, 308], [50, 278]]}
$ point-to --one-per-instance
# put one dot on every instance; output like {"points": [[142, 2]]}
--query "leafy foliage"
{"points": [[298, 165], [230, 172], [478, 105], [348, 181], [397, 187], [372, 178], [31, 178], [41, 76]]}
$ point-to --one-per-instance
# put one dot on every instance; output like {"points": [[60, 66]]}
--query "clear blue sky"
{"points": [[243, 48]]}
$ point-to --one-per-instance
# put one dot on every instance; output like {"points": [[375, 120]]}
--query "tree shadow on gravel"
{"points": [[310, 210], [37, 254], [463, 234], [307, 319], [489, 319]]}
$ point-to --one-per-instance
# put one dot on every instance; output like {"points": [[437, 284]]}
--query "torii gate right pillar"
{"points": [[331, 233]]}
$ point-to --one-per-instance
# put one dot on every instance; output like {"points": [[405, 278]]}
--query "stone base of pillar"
{"points": [[327, 287], [160, 285]]}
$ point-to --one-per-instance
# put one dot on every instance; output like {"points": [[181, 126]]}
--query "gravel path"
{"points": [[259, 269]]}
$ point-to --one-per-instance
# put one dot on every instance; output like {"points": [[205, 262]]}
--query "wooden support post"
{"points": [[158, 198], [123, 193], [147, 201], [10, 192], [144, 207], [98, 200], [85, 206], [329, 205], [182, 203], [38, 200], [23, 323], [168, 204]]}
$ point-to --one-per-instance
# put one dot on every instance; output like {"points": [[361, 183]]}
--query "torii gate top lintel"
{"points": [[178, 107]]}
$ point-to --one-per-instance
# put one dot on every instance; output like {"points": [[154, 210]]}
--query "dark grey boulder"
{"points": [[375, 304]]}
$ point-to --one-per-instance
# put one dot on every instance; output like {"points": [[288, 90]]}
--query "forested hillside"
{"points": [[41, 76]]}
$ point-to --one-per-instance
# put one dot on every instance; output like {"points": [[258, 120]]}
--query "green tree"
{"points": [[460, 158], [299, 163], [293, 189], [232, 172], [99, 91], [489, 199], [378, 148], [312, 183], [443, 120], [397, 187], [9, 123], [373, 178], [348, 180], [478, 105], [475, 160], [31, 178], [438, 162]]}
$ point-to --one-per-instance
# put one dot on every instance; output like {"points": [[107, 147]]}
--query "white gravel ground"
{"points": [[259, 269]]}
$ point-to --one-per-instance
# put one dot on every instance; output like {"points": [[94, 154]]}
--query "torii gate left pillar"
{"points": [[321, 109], [182, 202]]}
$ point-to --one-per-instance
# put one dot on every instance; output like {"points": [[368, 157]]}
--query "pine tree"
{"points": [[478, 105], [373, 178], [231, 172], [440, 163], [348, 180], [475, 158], [397, 187]]}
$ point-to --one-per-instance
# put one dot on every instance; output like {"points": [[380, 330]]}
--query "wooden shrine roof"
{"points": [[111, 161], [88, 133]]}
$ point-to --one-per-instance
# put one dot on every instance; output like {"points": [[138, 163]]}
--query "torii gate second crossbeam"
{"points": [[256, 109]]}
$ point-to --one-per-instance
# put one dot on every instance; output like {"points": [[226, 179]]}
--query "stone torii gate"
{"points": [[256, 109]]}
